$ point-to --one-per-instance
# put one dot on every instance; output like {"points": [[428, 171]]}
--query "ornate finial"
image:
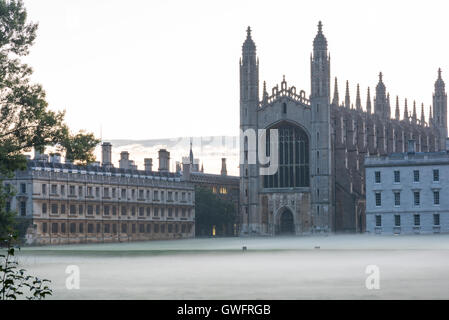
{"points": [[439, 73], [320, 27], [283, 78], [380, 77], [264, 86], [248, 32]]}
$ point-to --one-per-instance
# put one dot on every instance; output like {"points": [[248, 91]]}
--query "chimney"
{"points": [[164, 160], [148, 163], [55, 158], [224, 172], [411, 146], [186, 169], [124, 162], [106, 155]]}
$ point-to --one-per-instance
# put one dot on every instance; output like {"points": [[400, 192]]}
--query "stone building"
{"points": [[405, 192], [321, 145], [223, 185], [64, 203]]}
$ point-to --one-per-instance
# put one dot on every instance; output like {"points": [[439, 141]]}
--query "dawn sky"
{"points": [[162, 69]]}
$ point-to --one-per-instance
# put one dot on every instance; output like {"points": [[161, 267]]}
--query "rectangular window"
{"points": [[97, 209], [62, 190], [106, 228], [90, 211], [133, 211], [54, 208], [377, 176], [141, 211], [80, 191], [8, 206], [114, 228], [81, 228], [378, 199], [155, 195], [123, 196], [113, 195], [80, 209], [54, 189], [417, 219], [44, 227], [148, 211], [73, 228], [416, 197], [397, 220], [397, 198], [62, 227], [106, 192], [133, 228], [123, 211], [23, 188], [72, 209], [90, 228], [62, 208], [436, 219], [72, 190], [97, 192], [436, 175], [141, 228], [416, 175], [140, 194], [44, 208], [89, 192], [44, 189], [23, 208], [436, 197], [98, 228], [156, 212], [54, 228], [114, 210], [106, 210], [397, 176], [124, 228]]}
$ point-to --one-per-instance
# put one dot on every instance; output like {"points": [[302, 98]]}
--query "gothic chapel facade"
{"points": [[321, 145]]}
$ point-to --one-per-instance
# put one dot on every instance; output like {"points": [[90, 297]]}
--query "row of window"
{"points": [[416, 220], [113, 228], [113, 192], [113, 210], [416, 177], [416, 198]]}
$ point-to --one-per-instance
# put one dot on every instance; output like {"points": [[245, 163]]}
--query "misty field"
{"points": [[319, 267]]}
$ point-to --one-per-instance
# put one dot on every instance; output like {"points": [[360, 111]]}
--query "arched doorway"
{"points": [[286, 223]]}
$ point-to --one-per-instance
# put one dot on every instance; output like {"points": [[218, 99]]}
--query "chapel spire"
{"points": [[405, 111], [397, 112], [358, 102], [368, 103], [423, 118], [347, 97], [336, 98]]}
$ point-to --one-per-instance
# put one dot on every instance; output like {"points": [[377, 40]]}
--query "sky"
{"points": [[155, 69]]}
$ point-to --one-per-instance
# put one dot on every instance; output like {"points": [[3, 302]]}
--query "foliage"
{"points": [[79, 148], [211, 211], [13, 280], [25, 120]]}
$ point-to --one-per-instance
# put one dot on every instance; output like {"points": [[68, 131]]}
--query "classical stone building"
{"points": [[223, 185], [64, 203], [321, 146], [405, 192]]}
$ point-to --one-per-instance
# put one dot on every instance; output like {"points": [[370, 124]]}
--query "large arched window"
{"points": [[293, 148]]}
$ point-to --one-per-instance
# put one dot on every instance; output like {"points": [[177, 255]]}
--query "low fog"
{"points": [[319, 267]]}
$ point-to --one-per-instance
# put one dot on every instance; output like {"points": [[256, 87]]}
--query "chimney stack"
{"points": [[164, 160], [148, 163], [224, 171], [106, 155]]}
